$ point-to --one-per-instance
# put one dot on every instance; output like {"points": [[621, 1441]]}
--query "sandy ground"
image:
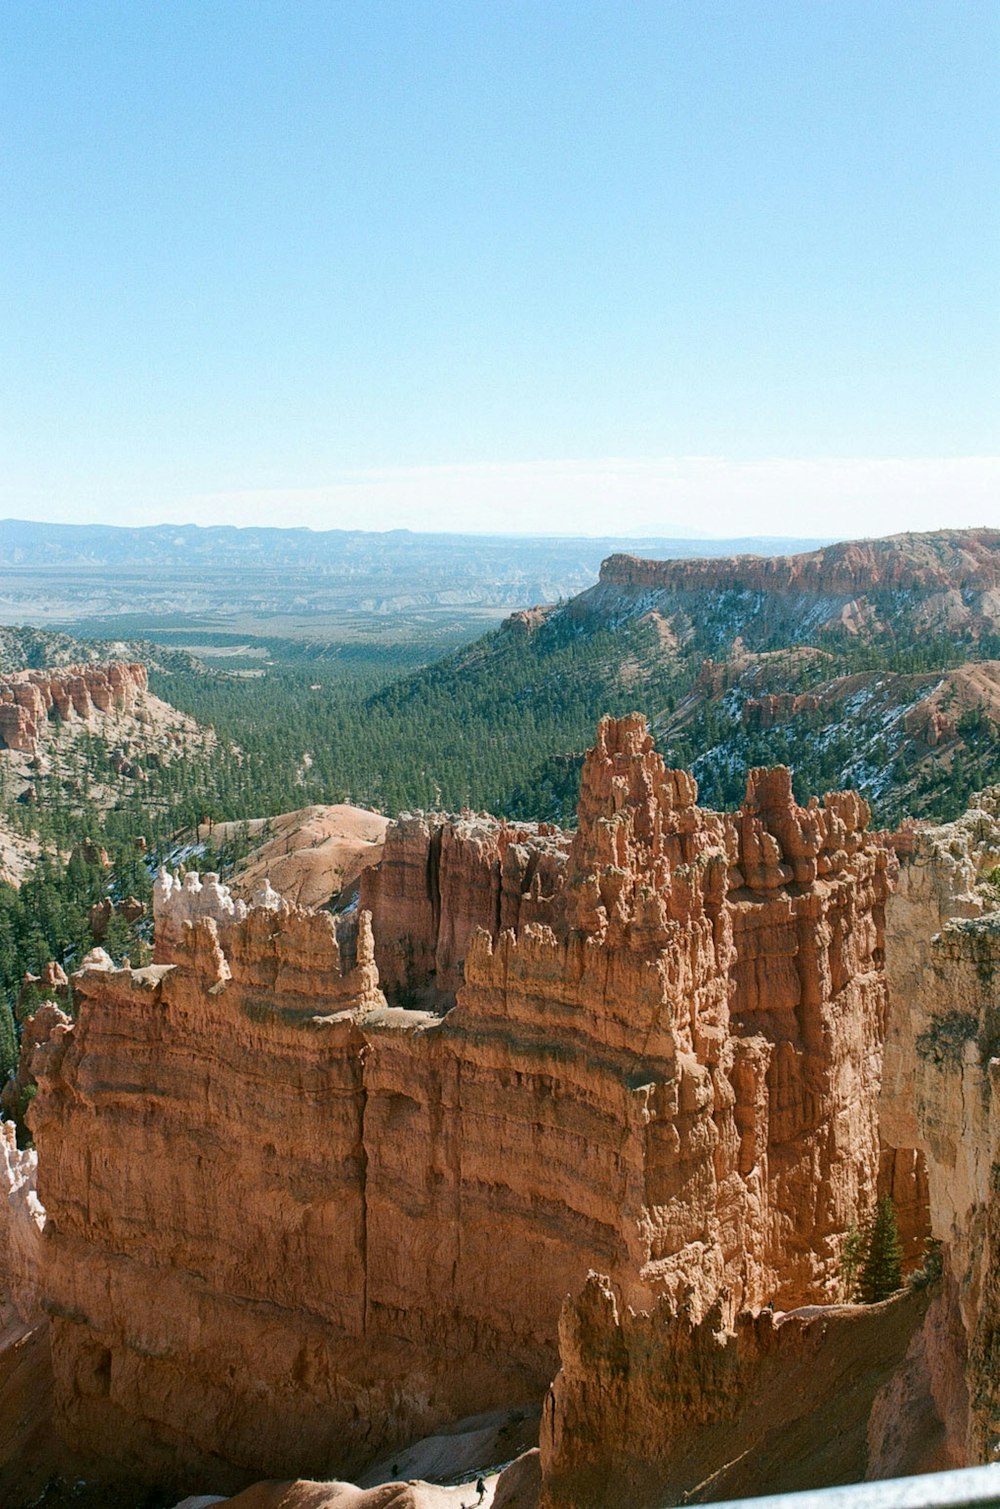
{"points": [[309, 855]]}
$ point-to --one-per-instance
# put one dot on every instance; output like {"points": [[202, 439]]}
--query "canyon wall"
{"points": [[22, 1219], [906, 585], [654, 1407], [942, 1077], [962, 560], [291, 1224]]}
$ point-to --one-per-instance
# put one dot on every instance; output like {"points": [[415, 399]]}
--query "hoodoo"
{"points": [[73, 694], [290, 1224]]}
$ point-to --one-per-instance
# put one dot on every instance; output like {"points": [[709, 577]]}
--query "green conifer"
{"points": [[8, 1041], [882, 1265]]}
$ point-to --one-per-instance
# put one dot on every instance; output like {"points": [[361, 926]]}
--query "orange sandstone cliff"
{"points": [[942, 582], [291, 1225], [442, 879], [963, 560]]}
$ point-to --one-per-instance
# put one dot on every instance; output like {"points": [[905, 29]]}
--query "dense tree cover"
{"points": [[475, 729], [89, 854], [8, 1040], [501, 723]]}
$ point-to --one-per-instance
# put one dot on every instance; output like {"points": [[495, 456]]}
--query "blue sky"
{"points": [[491, 265]]}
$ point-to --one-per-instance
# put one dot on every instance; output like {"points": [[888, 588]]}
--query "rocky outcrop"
{"points": [[51, 985], [942, 1074], [291, 1225], [28, 699], [181, 901], [656, 1408], [44, 996], [312, 856], [761, 713], [962, 560], [22, 1220], [442, 879], [910, 585]]}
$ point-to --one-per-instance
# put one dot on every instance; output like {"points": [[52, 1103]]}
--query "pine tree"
{"points": [[8, 1040], [852, 1255], [882, 1264]]}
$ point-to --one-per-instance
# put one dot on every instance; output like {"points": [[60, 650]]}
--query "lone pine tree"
{"points": [[882, 1260]]}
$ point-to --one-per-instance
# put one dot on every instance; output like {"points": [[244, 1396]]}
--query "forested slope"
{"points": [[875, 666]]}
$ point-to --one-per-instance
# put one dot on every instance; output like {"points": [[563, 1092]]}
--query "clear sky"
{"points": [[720, 266]]}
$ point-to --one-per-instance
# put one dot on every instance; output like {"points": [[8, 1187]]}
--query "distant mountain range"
{"points": [[343, 552], [73, 573]]}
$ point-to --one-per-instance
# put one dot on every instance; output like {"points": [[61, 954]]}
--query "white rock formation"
{"points": [[178, 901], [22, 1219]]}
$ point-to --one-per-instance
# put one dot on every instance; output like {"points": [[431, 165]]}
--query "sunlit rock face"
{"points": [[943, 582], [291, 1225], [654, 1407], [72, 693], [441, 880]]}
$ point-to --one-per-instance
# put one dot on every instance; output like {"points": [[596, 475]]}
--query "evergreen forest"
{"points": [[497, 722]]}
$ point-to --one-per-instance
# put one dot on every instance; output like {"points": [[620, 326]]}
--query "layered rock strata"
{"points": [[291, 1225], [943, 582], [959, 560], [72, 693]]}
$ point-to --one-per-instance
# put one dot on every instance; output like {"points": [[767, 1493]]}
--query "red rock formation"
{"points": [[291, 1226], [656, 1408], [442, 878], [526, 621], [51, 985], [44, 996], [101, 913], [939, 583], [744, 955], [947, 560], [27, 698], [764, 712]]}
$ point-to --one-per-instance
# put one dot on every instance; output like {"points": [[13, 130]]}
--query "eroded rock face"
{"points": [[940, 583], [962, 560], [730, 969], [942, 1075], [72, 693], [443, 878], [22, 1220], [655, 1408], [292, 1225], [35, 1031]]}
